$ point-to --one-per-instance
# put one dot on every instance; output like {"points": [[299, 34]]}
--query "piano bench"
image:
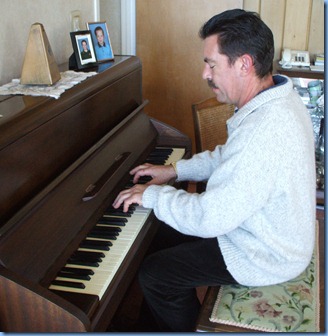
{"points": [[294, 306]]}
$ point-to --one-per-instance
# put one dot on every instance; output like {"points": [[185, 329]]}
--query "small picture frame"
{"points": [[101, 41], [83, 49]]}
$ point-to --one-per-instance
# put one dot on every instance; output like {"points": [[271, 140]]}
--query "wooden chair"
{"points": [[210, 119]]}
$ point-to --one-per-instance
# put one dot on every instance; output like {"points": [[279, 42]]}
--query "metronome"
{"points": [[39, 65]]}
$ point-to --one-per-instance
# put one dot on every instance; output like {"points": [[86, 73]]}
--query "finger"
{"points": [[117, 203], [127, 197], [120, 198], [127, 204], [136, 169], [141, 173]]}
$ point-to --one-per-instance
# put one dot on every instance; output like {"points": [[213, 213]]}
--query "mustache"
{"points": [[211, 84]]}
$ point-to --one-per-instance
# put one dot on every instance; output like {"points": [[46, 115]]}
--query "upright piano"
{"points": [[66, 257]]}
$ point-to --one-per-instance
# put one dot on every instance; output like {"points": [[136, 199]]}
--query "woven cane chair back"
{"points": [[210, 118]]}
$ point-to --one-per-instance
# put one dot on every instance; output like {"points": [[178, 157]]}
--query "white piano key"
{"points": [[176, 155]]}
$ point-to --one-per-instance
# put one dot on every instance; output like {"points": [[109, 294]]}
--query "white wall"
{"points": [[110, 11], [17, 16]]}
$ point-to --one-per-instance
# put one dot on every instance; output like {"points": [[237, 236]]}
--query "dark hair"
{"points": [[98, 28], [241, 32]]}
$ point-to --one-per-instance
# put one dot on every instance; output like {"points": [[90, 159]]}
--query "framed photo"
{"points": [[83, 49], [101, 41]]}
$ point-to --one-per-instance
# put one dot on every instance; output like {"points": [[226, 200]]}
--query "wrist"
{"points": [[174, 165]]}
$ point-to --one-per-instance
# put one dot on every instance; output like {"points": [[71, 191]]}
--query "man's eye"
{"points": [[212, 66]]}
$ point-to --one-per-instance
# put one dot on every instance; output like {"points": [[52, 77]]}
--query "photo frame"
{"points": [[83, 49], [101, 40]]}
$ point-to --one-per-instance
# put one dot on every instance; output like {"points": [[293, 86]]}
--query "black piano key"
{"points": [[112, 221], [68, 284], [89, 255], [82, 271], [78, 262], [119, 210], [111, 218], [131, 209], [102, 235], [118, 214], [159, 154], [144, 179], [157, 158], [166, 150], [85, 258], [155, 161], [73, 276], [96, 244], [110, 229]]}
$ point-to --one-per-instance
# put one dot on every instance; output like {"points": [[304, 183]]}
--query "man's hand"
{"points": [[130, 196], [159, 174]]}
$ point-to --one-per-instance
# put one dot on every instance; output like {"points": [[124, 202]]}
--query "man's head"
{"points": [[238, 55], [239, 32]]}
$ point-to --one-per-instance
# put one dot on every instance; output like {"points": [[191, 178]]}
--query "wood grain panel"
{"points": [[317, 28], [295, 24], [172, 56], [275, 22], [252, 5], [297, 21]]}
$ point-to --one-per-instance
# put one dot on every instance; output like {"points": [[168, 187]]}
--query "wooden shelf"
{"points": [[300, 72]]}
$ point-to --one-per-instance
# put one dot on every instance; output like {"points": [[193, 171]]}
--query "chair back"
{"points": [[210, 117]]}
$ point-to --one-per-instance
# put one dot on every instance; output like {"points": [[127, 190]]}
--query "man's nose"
{"points": [[206, 73]]}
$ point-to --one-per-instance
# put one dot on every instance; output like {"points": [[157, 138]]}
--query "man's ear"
{"points": [[247, 63]]}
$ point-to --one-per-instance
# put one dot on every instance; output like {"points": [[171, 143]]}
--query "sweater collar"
{"points": [[282, 87]]}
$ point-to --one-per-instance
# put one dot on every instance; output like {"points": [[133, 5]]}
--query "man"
{"points": [[103, 50], [256, 218]]}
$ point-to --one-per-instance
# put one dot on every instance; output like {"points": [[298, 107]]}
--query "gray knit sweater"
{"points": [[260, 196]]}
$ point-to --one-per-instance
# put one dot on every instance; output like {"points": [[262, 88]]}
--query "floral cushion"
{"points": [[292, 306]]}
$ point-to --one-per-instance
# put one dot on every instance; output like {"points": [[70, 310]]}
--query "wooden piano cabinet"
{"points": [[62, 162], [43, 311]]}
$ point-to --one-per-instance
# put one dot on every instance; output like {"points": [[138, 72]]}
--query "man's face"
{"points": [[100, 37], [221, 76]]}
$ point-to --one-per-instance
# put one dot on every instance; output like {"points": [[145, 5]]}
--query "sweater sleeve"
{"points": [[200, 166], [240, 182]]}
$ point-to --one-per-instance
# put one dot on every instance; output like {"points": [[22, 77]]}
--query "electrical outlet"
{"points": [[75, 20]]}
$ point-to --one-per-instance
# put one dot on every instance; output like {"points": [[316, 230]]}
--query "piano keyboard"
{"points": [[93, 266]]}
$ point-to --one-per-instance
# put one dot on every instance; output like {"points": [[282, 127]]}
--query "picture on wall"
{"points": [[83, 49], [101, 40]]}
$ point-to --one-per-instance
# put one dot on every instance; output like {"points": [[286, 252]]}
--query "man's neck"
{"points": [[253, 87]]}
